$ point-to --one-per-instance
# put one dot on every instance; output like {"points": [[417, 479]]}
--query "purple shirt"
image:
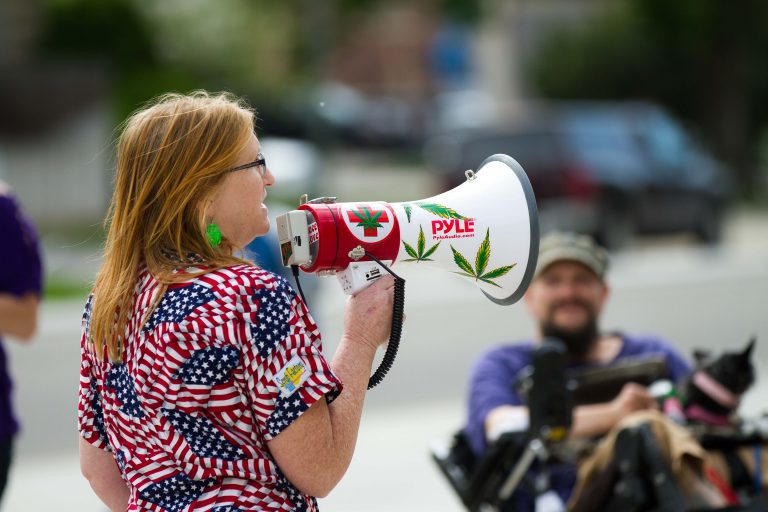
{"points": [[495, 372], [20, 273]]}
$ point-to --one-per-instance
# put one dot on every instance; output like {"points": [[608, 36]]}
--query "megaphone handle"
{"points": [[394, 335], [397, 323], [397, 326]]}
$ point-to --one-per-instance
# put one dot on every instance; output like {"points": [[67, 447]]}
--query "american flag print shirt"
{"points": [[224, 363]]}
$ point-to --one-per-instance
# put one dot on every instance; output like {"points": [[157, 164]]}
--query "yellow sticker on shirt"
{"points": [[291, 376]]}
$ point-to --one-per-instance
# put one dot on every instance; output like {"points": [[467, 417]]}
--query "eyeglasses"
{"points": [[259, 162]]}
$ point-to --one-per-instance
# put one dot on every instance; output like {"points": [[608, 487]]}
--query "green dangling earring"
{"points": [[214, 235]]}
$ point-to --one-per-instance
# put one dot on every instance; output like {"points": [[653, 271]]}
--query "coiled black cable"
{"points": [[295, 272], [395, 333], [397, 327]]}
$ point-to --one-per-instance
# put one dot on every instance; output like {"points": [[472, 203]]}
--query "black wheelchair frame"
{"points": [[637, 478]]}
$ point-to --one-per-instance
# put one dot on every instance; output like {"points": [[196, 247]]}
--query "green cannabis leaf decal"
{"points": [[421, 242], [435, 209], [462, 262], [483, 254], [419, 254], [481, 262], [440, 210], [368, 220]]}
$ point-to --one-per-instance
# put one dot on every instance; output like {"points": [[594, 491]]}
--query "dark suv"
{"points": [[611, 170]]}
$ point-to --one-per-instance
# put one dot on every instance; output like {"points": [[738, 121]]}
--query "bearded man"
{"points": [[566, 298]]}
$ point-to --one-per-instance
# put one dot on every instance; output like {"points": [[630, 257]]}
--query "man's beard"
{"points": [[578, 341]]}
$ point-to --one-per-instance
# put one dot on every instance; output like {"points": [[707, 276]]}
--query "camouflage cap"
{"points": [[569, 246]]}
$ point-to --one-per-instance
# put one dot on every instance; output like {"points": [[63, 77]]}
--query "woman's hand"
{"points": [[368, 314]]}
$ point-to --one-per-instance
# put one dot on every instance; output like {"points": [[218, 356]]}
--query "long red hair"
{"points": [[171, 156]]}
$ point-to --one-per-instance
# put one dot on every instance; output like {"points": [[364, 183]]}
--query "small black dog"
{"points": [[713, 392]]}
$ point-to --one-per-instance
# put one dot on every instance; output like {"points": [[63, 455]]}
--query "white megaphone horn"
{"points": [[485, 230]]}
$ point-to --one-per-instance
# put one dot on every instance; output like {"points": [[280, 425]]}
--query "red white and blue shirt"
{"points": [[223, 364]]}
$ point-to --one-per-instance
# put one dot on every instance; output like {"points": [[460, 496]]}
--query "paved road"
{"points": [[700, 298]]}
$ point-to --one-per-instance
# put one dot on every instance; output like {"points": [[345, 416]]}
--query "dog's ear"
{"points": [[747, 353], [701, 357]]}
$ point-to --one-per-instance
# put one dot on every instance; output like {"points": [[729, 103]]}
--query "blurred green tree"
{"points": [[117, 37], [703, 59], [152, 47], [468, 11], [111, 31]]}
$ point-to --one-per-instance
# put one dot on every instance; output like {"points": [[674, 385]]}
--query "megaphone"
{"points": [[484, 230]]}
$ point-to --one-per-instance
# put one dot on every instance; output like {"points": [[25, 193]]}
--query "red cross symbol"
{"points": [[370, 220]]}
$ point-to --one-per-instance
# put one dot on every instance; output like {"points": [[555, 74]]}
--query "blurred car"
{"points": [[610, 170]]}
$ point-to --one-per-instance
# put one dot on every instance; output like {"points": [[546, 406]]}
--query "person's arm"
{"points": [[18, 315], [97, 463], [314, 452], [20, 270], [596, 419], [100, 469], [588, 420]]}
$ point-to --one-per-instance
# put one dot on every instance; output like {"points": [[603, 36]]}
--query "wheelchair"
{"points": [[637, 477]]}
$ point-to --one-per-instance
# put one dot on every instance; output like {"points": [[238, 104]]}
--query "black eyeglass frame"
{"points": [[260, 161]]}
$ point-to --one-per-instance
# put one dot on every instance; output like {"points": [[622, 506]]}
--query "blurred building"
{"points": [[385, 54]]}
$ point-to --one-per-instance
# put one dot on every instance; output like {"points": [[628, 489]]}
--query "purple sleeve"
{"points": [[20, 263], [491, 385], [677, 366]]}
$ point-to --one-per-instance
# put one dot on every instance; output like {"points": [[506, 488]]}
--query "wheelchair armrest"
{"points": [[725, 439], [456, 461], [493, 469], [478, 481]]}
